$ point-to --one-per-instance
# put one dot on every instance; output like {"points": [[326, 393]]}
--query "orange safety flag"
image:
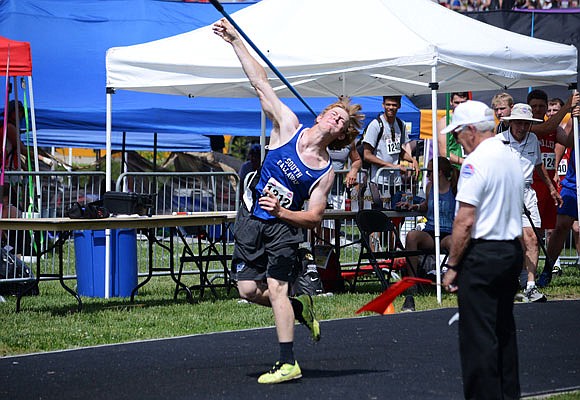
{"points": [[381, 303]]}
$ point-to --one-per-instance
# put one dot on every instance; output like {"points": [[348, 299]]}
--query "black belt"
{"points": [[475, 241]]}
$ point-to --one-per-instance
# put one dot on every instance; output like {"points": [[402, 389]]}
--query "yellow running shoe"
{"points": [[308, 318], [281, 373]]}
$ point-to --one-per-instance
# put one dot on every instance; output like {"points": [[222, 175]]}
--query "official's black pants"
{"points": [[488, 282]]}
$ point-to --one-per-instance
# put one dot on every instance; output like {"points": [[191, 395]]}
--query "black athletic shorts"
{"points": [[264, 249]]}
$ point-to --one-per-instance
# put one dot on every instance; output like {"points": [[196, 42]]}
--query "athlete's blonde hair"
{"points": [[352, 126]]}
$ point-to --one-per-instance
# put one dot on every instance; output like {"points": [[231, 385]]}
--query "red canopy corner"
{"points": [[20, 58]]}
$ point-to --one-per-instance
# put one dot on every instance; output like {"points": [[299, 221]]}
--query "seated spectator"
{"points": [[8, 209], [493, 5], [425, 239]]}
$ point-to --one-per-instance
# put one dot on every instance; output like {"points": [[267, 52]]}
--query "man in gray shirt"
{"points": [[386, 150]]}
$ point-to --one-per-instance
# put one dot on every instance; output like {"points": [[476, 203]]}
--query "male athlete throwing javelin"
{"points": [[267, 231]]}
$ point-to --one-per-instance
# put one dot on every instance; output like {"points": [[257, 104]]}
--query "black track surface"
{"points": [[399, 356]]}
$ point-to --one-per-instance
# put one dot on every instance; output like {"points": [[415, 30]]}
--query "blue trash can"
{"points": [[90, 262]]}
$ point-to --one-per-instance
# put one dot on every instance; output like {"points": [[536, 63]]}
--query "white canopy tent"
{"points": [[334, 47], [341, 47]]}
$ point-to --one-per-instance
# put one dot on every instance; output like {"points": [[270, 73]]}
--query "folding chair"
{"points": [[375, 221]]}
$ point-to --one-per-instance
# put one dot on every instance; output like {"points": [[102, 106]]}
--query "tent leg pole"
{"points": [[435, 191], [35, 143], [108, 187]]}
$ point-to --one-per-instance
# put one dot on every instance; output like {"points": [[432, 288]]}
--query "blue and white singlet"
{"points": [[287, 176]]}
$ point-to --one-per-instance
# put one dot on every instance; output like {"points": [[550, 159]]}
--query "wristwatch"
{"points": [[453, 267]]}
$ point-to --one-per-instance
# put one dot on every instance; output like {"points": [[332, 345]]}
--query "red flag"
{"points": [[380, 304]]}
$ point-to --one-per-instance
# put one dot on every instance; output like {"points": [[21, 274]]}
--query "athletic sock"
{"points": [[530, 285], [287, 353]]}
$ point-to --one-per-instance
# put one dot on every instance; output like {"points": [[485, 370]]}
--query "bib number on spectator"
{"points": [[563, 167], [393, 146], [549, 160]]}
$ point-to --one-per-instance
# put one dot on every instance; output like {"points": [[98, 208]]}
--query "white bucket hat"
{"points": [[522, 112], [468, 113]]}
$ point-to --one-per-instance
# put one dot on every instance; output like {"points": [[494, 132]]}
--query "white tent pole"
{"points": [[435, 176], [108, 187], [108, 140], [35, 144]]}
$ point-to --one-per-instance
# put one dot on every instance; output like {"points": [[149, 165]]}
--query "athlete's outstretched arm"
{"points": [[284, 120]]}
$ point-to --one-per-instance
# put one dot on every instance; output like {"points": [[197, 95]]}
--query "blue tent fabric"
{"points": [[69, 41], [138, 141]]}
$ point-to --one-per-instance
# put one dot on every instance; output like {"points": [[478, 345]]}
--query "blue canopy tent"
{"points": [[69, 41]]}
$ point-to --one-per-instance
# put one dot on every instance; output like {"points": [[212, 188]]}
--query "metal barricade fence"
{"points": [[395, 186], [42, 194], [347, 231], [186, 192], [176, 192], [569, 257], [391, 191]]}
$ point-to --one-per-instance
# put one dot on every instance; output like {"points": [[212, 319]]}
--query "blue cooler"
{"points": [[90, 262]]}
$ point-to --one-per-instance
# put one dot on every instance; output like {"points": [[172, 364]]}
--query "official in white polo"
{"points": [[486, 255]]}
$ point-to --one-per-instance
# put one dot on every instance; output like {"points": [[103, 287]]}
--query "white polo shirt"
{"points": [[491, 180], [528, 151]]}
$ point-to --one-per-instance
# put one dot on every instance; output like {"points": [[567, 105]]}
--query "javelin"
{"points": [[220, 8]]}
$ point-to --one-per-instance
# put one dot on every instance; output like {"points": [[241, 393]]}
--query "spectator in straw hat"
{"points": [[526, 146]]}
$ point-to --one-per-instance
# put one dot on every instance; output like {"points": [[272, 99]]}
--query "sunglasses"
{"points": [[460, 129]]}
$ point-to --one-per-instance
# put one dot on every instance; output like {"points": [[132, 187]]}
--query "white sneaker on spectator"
{"points": [[533, 295]]}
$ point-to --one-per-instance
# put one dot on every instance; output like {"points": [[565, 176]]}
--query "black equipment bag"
{"points": [[129, 203], [12, 267], [307, 280], [94, 210]]}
